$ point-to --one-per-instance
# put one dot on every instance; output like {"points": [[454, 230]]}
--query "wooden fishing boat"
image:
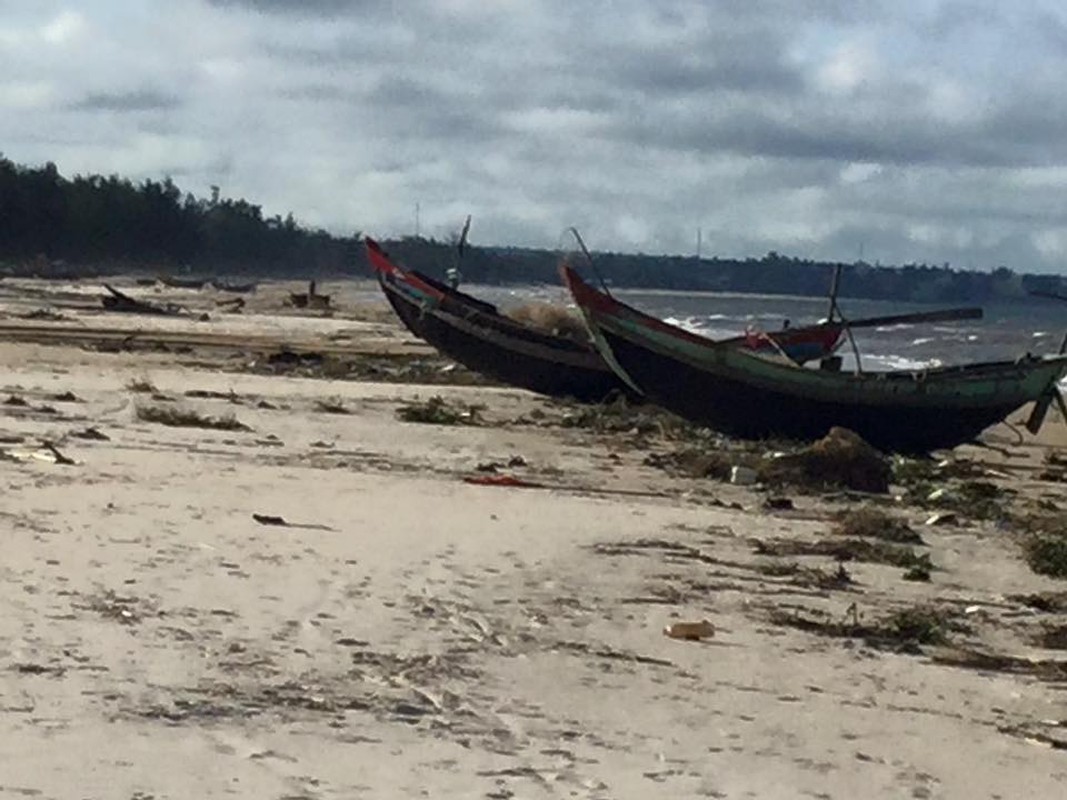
{"points": [[757, 395], [477, 335]]}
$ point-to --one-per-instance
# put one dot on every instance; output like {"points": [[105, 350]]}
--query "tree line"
{"points": [[771, 274], [92, 224]]}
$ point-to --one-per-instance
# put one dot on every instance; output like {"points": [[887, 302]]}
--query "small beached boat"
{"points": [[757, 395], [477, 335]]}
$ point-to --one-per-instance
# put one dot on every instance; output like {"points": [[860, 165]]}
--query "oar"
{"points": [[946, 315], [463, 238], [457, 257], [1051, 395], [836, 309], [589, 259], [833, 293]]}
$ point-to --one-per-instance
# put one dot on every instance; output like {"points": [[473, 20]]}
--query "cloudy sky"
{"points": [[903, 130]]}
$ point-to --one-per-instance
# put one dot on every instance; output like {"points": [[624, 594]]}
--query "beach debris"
{"points": [[42, 313], [611, 653], [56, 455], [844, 548], [65, 397], [942, 518], [121, 302], [332, 405], [127, 610], [141, 385], [975, 498], [777, 503], [873, 523], [1052, 637], [920, 573], [906, 630], [694, 462], [308, 363], [46, 452], [30, 668], [973, 658], [438, 411], [840, 459], [494, 466], [210, 394], [281, 522], [15, 401], [838, 578], [1045, 602], [690, 631], [180, 418], [230, 305], [269, 519], [309, 299], [1045, 549], [502, 480], [1053, 476], [743, 476], [621, 415]]}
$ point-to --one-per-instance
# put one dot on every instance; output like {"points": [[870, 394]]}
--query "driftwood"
{"points": [[118, 301], [231, 305]]}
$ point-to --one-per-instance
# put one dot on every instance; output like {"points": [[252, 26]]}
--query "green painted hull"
{"points": [[755, 396]]}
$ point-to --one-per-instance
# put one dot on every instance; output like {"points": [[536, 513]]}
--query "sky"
{"points": [[897, 132]]}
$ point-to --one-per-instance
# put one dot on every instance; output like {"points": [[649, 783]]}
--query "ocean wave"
{"points": [[923, 340], [691, 324], [895, 362]]}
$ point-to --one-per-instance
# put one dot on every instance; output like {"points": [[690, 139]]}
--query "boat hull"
{"points": [[752, 396], [524, 362], [739, 408]]}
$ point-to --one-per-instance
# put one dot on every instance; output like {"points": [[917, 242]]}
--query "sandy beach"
{"points": [[312, 599]]}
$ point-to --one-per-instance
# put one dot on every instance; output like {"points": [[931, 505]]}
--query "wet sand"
{"points": [[407, 633]]}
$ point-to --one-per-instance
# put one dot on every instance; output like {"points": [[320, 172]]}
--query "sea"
{"points": [[1005, 331]]}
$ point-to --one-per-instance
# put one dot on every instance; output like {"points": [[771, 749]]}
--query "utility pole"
{"points": [[698, 243], [416, 220]]}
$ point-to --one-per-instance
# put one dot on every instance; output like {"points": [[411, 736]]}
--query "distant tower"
{"points": [[416, 220], [698, 243]]}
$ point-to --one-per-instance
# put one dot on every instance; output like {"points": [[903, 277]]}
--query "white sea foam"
{"points": [[896, 362], [691, 324]]}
